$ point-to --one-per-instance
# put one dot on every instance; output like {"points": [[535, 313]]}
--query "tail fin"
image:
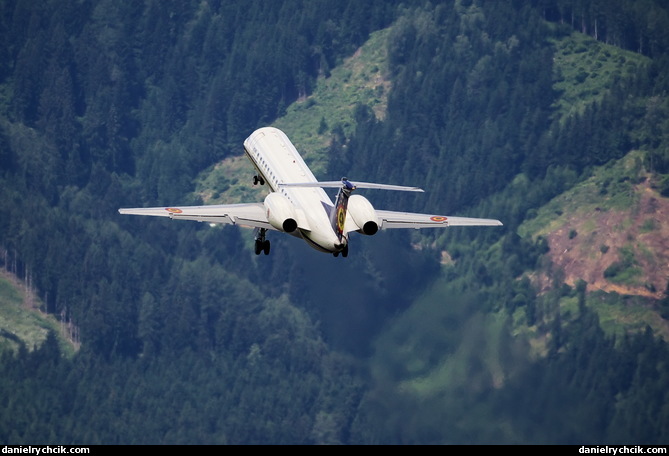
{"points": [[338, 215]]}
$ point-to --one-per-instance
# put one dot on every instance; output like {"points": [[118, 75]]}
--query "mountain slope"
{"points": [[310, 123], [21, 321], [189, 338], [614, 218], [611, 231], [510, 331], [586, 69]]}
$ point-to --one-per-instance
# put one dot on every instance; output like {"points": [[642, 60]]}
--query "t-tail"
{"points": [[338, 215]]}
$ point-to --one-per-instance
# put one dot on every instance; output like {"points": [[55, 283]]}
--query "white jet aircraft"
{"points": [[298, 205]]}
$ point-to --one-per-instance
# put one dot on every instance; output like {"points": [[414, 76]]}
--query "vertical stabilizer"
{"points": [[338, 215]]}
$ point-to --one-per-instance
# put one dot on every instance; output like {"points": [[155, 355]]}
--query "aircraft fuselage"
{"points": [[278, 161]]}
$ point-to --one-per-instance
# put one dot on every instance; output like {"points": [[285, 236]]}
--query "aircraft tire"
{"points": [[266, 247]]}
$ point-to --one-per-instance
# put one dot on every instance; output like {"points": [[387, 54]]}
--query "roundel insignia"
{"points": [[438, 218], [173, 210], [341, 218]]}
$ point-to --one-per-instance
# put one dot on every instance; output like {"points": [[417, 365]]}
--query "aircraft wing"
{"points": [[392, 219], [249, 215]]}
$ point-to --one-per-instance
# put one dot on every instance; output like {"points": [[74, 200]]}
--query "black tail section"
{"points": [[338, 216]]}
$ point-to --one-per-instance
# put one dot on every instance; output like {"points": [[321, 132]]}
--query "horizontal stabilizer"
{"points": [[354, 185]]}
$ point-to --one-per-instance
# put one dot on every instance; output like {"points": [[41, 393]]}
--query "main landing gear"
{"points": [[262, 244], [258, 179], [344, 252]]}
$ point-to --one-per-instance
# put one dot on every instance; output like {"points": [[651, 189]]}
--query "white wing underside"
{"points": [[250, 215]]}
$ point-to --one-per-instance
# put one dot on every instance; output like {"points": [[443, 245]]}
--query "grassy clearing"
{"points": [[20, 324], [585, 69], [620, 232], [361, 79], [611, 187], [620, 314]]}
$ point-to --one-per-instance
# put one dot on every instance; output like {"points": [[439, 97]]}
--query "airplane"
{"points": [[298, 205]]}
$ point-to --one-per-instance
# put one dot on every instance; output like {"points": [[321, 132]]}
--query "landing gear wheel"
{"points": [[344, 252], [262, 244], [255, 180]]}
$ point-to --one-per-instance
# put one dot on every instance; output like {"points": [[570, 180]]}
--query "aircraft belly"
{"points": [[321, 242], [322, 237]]}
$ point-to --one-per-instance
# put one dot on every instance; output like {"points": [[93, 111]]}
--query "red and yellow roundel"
{"points": [[438, 218], [341, 219], [173, 210]]}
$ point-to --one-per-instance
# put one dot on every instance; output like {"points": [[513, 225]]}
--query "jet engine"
{"points": [[363, 214], [280, 213]]}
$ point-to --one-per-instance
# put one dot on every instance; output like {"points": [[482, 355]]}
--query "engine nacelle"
{"points": [[280, 213], [363, 214]]}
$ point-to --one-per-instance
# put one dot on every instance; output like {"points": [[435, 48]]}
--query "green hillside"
{"points": [[550, 116], [21, 321], [586, 69], [610, 232], [467, 346], [595, 254], [312, 122]]}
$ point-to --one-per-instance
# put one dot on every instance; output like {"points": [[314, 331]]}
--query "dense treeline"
{"points": [[473, 102], [221, 398], [187, 338], [133, 101], [471, 95], [590, 387], [108, 104], [639, 26], [122, 85], [483, 122]]}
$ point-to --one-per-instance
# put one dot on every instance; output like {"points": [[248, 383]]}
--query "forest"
{"points": [[184, 336]]}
